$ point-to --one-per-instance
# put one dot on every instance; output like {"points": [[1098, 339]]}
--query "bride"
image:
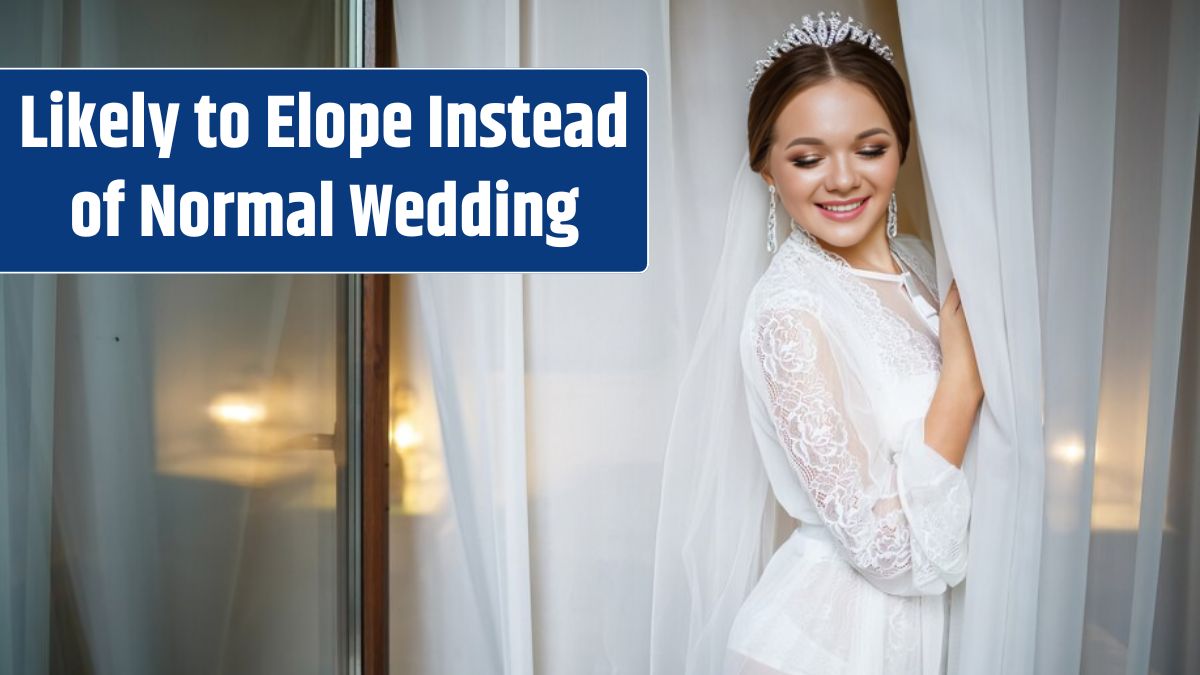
{"points": [[860, 394]]}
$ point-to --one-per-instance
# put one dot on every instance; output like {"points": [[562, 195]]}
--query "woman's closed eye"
{"points": [[809, 161]]}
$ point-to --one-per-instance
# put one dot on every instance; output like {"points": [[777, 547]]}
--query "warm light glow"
{"points": [[423, 489], [236, 409], [1070, 451], [420, 485], [404, 436]]}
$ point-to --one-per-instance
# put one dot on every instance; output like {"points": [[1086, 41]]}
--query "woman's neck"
{"points": [[873, 253]]}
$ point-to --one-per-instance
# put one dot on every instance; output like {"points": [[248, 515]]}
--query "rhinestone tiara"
{"points": [[822, 32]]}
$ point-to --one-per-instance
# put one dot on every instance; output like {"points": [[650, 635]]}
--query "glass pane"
{"points": [[171, 33], [170, 445], [194, 492]]}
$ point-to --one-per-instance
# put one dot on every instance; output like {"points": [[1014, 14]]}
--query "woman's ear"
{"points": [[766, 176]]}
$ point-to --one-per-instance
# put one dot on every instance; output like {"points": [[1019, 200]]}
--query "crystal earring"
{"points": [[771, 222], [891, 221]]}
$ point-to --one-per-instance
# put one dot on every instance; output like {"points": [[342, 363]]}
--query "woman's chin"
{"points": [[845, 236]]}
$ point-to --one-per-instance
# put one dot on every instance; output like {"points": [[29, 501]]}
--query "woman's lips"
{"points": [[844, 216]]}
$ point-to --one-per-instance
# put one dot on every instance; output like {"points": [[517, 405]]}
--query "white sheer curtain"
{"points": [[105, 496], [1086, 146], [474, 605], [1074, 131], [477, 360], [67, 441], [970, 103], [1174, 648]]}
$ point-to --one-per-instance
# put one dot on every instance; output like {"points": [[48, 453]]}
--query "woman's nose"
{"points": [[842, 177]]}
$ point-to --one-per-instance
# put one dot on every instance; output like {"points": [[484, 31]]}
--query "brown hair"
{"points": [[809, 65]]}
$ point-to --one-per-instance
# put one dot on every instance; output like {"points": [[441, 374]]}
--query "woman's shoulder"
{"points": [[782, 313], [782, 287]]}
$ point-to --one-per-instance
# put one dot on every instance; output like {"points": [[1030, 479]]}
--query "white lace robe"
{"points": [[840, 365]]}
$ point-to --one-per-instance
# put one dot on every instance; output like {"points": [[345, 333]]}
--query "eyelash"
{"points": [[870, 154]]}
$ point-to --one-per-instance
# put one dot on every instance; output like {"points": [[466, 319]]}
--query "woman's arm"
{"points": [[959, 390], [898, 513]]}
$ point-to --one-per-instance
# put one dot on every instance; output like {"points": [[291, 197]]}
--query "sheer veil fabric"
{"points": [[717, 523]]}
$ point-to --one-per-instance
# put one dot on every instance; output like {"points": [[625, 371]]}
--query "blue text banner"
{"points": [[323, 170]]}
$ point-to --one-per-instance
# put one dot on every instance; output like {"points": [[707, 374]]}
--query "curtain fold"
{"points": [[26, 452], [1177, 609], [1181, 116], [969, 99], [104, 493], [1075, 187], [476, 358], [31, 34], [604, 351]]}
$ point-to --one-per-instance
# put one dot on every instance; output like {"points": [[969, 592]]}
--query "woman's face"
{"points": [[834, 148]]}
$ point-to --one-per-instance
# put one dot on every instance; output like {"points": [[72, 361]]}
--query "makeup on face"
{"points": [[835, 162]]}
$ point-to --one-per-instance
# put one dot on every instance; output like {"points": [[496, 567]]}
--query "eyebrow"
{"points": [[809, 140]]}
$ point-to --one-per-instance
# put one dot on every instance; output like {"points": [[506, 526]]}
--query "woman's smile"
{"points": [[843, 211]]}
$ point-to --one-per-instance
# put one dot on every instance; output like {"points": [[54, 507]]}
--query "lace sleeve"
{"points": [[899, 517]]}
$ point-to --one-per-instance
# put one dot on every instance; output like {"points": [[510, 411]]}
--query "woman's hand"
{"points": [[959, 367]]}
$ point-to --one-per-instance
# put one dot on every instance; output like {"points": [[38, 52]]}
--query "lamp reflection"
{"points": [[418, 476], [252, 440], [236, 409], [404, 436]]}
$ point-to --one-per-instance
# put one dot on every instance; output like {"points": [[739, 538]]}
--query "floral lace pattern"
{"points": [[894, 515], [902, 350], [869, 524]]}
